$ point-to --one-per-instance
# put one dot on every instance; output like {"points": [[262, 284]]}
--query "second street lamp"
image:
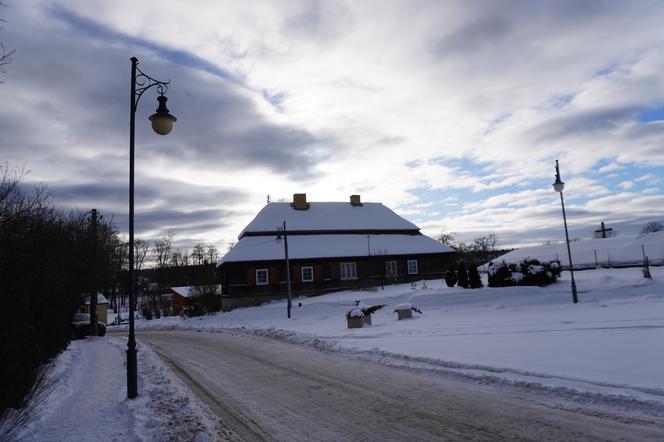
{"points": [[162, 123], [558, 186]]}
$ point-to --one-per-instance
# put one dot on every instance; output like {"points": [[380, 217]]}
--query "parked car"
{"points": [[80, 326]]}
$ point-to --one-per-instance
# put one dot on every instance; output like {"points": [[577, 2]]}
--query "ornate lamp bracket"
{"points": [[145, 82]]}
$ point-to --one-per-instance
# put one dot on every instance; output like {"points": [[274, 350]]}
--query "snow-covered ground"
{"points": [[85, 399], [607, 349]]}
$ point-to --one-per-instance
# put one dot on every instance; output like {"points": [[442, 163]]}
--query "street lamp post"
{"points": [[162, 123], [558, 186]]}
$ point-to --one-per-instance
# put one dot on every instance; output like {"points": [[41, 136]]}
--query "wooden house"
{"points": [[331, 246]]}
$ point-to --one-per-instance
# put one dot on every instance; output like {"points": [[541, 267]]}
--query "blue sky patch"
{"points": [[655, 114]]}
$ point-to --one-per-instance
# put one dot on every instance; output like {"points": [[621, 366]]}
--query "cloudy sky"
{"points": [[452, 113]]}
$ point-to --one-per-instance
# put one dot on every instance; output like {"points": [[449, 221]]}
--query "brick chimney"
{"points": [[300, 201], [355, 200]]}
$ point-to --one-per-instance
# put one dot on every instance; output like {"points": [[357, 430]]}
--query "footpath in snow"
{"points": [[85, 399], [607, 350]]}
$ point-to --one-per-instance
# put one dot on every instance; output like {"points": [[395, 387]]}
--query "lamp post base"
{"points": [[132, 384]]}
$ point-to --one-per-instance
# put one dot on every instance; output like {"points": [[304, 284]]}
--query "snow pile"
{"points": [[354, 312], [407, 306], [599, 350]]}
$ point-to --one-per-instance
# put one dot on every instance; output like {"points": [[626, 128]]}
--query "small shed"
{"points": [[102, 307], [209, 295]]}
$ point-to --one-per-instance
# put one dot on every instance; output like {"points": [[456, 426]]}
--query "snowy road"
{"points": [[270, 390]]}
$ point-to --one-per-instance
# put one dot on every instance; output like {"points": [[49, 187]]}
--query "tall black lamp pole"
{"points": [[558, 186], [162, 123]]}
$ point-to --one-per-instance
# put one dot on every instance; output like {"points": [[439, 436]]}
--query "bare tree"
{"points": [[179, 258], [5, 56], [485, 243], [141, 248], [484, 247], [162, 250], [448, 239], [198, 254], [653, 226], [176, 258], [211, 254]]}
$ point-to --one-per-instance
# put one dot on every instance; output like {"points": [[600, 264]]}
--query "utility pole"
{"points": [[93, 292], [288, 284]]}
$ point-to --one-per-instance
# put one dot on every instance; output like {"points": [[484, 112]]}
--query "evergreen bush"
{"points": [[450, 277], [462, 275], [474, 279]]}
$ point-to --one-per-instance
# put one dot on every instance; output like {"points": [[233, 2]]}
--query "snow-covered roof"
{"points": [[101, 299], [266, 248], [188, 291], [616, 250], [327, 216]]}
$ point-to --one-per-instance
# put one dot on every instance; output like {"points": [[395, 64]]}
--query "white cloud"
{"points": [[477, 97]]}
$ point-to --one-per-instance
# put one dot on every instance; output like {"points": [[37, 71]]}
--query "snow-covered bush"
{"points": [[527, 272]]}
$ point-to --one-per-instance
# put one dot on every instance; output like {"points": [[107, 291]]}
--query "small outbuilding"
{"points": [[102, 307], [208, 296]]}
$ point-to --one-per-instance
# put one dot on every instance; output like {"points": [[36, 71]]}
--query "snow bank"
{"points": [[85, 399]]}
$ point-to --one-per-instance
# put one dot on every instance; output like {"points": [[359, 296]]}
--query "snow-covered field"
{"points": [[608, 349], [85, 399], [589, 253]]}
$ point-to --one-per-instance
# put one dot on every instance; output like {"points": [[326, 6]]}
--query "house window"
{"points": [[307, 274], [348, 270], [391, 268], [261, 277], [412, 267]]}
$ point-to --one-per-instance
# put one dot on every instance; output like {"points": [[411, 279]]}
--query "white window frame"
{"points": [[417, 267], [389, 265], [311, 269], [267, 276], [348, 270]]}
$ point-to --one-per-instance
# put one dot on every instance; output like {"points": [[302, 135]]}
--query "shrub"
{"points": [[529, 272], [49, 261], [462, 275], [500, 275], [450, 277], [474, 278], [146, 311]]}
